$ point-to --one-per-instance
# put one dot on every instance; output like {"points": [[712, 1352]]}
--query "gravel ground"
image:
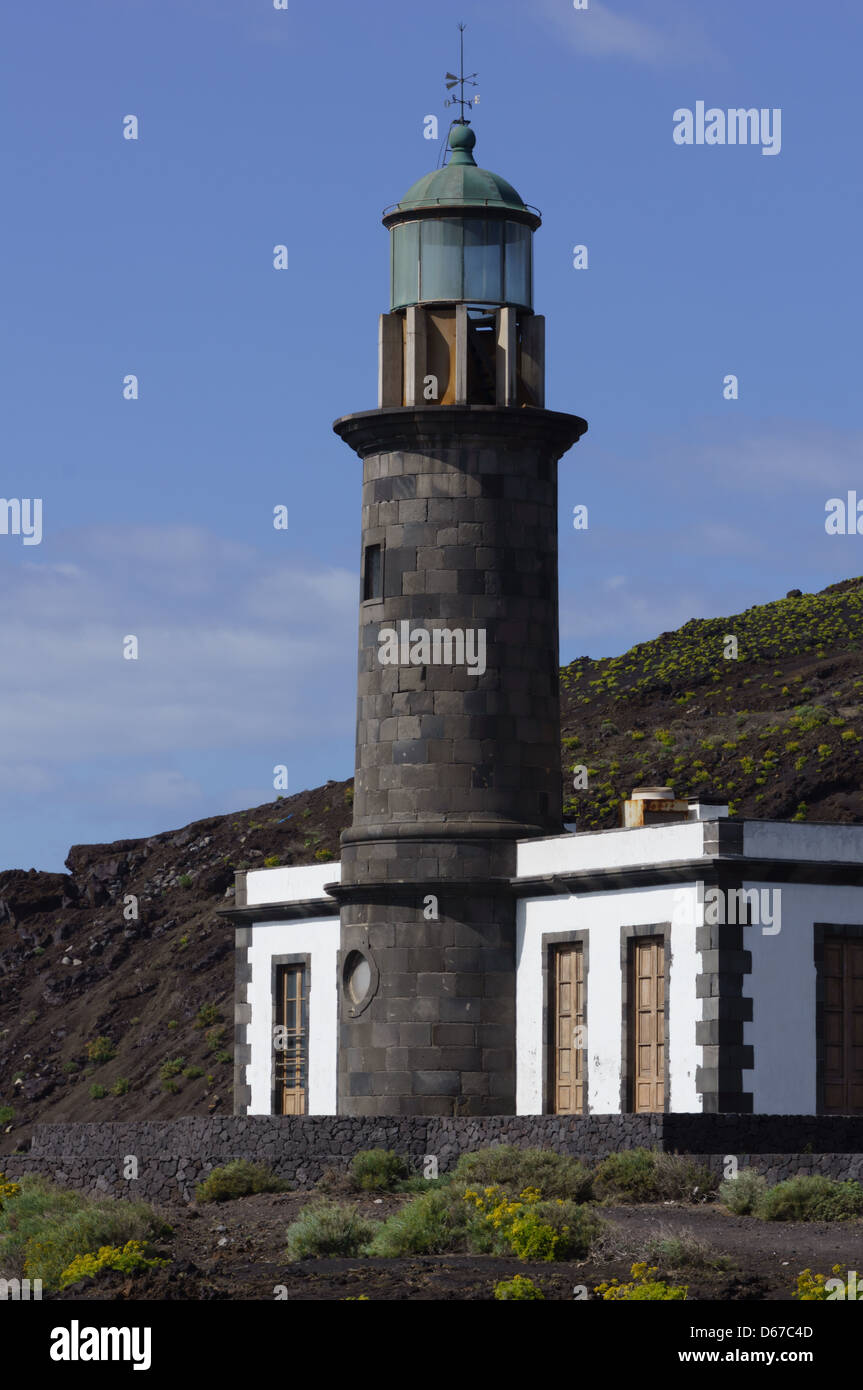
{"points": [[235, 1250]]}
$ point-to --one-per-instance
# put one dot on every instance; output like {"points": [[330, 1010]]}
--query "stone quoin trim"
{"points": [[820, 931], [725, 1007], [548, 941], [240, 888], [242, 1019], [627, 936]]}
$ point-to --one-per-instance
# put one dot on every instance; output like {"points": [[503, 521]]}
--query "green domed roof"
{"points": [[461, 183]]}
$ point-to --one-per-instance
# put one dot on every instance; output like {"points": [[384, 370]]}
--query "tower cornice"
{"points": [[446, 426]]}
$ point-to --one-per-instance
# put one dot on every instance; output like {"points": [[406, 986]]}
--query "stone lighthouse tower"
{"points": [[458, 721]]}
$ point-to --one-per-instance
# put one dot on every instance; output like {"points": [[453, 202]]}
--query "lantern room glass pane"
{"points": [[405, 264], [517, 238], [483, 261], [441, 262]]}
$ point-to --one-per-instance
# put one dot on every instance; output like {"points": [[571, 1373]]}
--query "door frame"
{"points": [[628, 934], [549, 941], [294, 958], [820, 931]]}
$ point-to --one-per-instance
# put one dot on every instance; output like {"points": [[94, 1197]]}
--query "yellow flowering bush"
{"points": [[131, 1259], [643, 1286], [812, 1288], [518, 1287], [533, 1228], [8, 1189]]}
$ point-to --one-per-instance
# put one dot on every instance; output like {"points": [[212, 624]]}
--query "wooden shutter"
{"points": [[647, 1023], [843, 1026], [567, 1030]]}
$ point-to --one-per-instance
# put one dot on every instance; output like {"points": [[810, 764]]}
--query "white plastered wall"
{"points": [[318, 938], [602, 915], [782, 986]]}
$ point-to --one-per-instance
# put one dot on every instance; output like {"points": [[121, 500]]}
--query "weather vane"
{"points": [[453, 81]]}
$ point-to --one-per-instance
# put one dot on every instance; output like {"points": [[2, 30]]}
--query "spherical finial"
{"points": [[461, 142]]}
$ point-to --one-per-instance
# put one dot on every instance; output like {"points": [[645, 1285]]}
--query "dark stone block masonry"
{"points": [[174, 1155]]}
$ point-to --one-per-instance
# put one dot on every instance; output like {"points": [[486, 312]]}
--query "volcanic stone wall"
{"points": [[454, 760], [174, 1155], [463, 503]]}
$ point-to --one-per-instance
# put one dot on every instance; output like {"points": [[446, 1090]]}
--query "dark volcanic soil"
{"points": [[234, 1251]]}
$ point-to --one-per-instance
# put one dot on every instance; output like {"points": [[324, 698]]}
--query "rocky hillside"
{"points": [[107, 1015], [775, 726], [116, 979]]}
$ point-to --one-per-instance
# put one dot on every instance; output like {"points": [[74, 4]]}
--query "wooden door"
{"points": [[567, 1030], [843, 1026], [292, 1059], [647, 1023]]}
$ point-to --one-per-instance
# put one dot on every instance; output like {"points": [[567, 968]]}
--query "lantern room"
{"points": [[461, 328]]}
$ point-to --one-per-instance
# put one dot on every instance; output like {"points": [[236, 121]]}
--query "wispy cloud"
{"points": [[670, 37], [754, 507], [235, 652]]}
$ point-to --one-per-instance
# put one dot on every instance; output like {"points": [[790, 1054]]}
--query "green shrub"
{"points": [[629, 1176], [7, 1114], [673, 1250], [121, 1086], [171, 1067], [215, 1037], [437, 1222], [70, 1067], [679, 1178], [417, 1183], [44, 1227], [272, 861], [98, 1092], [185, 880], [192, 1073], [518, 1287], [327, 1229], [375, 1170], [811, 1199], [207, 1014], [239, 1178], [36, 1202], [743, 1193], [552, 1174], [100, 1050]]}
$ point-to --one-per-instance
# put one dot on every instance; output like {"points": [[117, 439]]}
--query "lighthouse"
{"points": [[458, 714], [457, 959]]}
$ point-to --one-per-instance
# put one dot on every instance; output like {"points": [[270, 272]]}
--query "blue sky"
{"points": [[154, 257]]}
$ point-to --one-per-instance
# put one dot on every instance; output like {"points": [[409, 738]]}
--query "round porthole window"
{"points": [[358, 976]]}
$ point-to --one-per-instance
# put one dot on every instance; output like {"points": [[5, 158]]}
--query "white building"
{"points": [[688, 963]]}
